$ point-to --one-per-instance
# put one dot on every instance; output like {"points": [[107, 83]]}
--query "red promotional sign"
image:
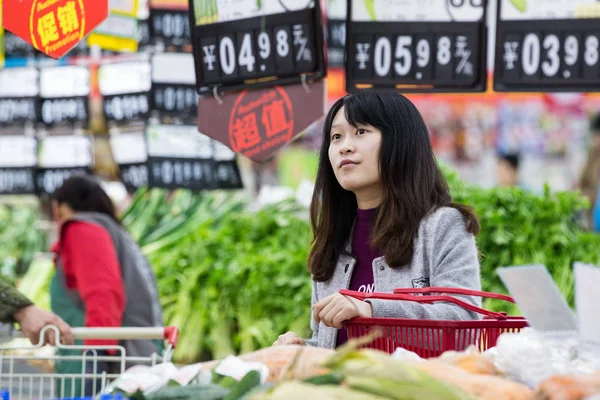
{"points": [[271, 112], [53, 26], [257, 123]]}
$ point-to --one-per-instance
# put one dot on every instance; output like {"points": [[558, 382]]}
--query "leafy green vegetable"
{"points": [[20, 240]]}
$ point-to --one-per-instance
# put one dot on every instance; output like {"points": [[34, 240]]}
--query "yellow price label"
{"points": [[588, 11], [116, 33], [127, 8]]}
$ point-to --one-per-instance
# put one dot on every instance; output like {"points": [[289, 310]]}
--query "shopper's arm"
{"points": [[10, 302]]}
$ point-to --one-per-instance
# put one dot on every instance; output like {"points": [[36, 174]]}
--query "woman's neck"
{"points": [[367, 201]]}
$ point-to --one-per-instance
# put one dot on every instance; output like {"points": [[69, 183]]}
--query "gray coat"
{"points": [[445, 255]]}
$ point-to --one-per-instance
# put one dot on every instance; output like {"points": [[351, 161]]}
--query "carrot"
{"points": [[483, 386], [475, 363], [568, 387]]}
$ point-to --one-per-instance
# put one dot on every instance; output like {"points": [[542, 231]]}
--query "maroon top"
{"points": [[362, 276]]}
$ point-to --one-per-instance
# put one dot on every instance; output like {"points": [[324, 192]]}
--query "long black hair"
{"points": [[84, 194], [413, 184]]}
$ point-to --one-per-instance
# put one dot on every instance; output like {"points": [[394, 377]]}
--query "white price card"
{"points": [[18, 151], [174, 68], [222, 152], [65, 152], [587, 299], [515, 10], [418, 10], [123, 78], [129, 148], [64, 81], [178, 141], [538, 298], [19, 82]]}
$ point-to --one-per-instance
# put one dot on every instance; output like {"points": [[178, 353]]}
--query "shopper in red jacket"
{"points": [[102, 278]]}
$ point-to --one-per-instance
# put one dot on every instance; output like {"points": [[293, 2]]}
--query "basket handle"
{"points": [[444, 290], [423, 299]]}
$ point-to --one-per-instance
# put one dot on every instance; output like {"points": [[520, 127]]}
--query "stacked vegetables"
{"points": [[230, 278], [20, 240]]}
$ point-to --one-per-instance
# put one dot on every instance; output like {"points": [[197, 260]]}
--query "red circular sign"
{"points": [[261, 122], [56, 25]]}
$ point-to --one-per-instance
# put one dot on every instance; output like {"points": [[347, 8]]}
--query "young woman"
{"points": [[102, 278], [383, 218]]}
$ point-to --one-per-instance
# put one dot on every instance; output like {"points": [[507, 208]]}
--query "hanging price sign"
{"points": [[19, 91], [131, 155], [173, 85], [64, 94], [336, 32], [416, 45], [18, 158], [170, 26], [60, 157], [126, 90], [548, 45], [238, 44], [181, 157]]}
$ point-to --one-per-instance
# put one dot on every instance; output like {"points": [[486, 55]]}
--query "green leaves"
{"points": [[518, 228], [230, 278], [20, 239]]}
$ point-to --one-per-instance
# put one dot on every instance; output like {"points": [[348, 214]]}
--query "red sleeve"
{"points": [[91, 265]]}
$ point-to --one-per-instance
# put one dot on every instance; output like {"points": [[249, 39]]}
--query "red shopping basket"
{"points": [[430, 338]]}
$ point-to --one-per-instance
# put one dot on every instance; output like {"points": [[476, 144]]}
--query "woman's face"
{"points": [[62, 213], [354, 156]]}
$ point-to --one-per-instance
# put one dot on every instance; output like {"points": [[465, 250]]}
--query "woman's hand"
{"points": [[333, 310], [289, 338]]}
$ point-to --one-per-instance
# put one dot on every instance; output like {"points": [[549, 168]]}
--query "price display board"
{"points": [[18, 159], [15, 47], [227, 172], [416, 45], [170, 26], [126, 90], [238, 44], [173, 85], [336, 32], [181, 157], [60, 157], [19, 91], [131, 155], [64, 93], [547, 45]]}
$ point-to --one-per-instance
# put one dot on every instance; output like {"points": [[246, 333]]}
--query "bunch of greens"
{"points": [[520, 228], [230, 278], [20, 239]]}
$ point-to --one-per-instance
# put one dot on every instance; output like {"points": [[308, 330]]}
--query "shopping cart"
{"points": [[430, 338], [22, 381]]}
